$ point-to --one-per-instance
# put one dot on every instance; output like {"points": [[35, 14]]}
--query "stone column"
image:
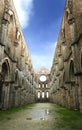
{"points": [[72, 29], [12, 96], [72, 100], [80, 93], [4, 32], [3, 40], [5, 95], [16, 97]]}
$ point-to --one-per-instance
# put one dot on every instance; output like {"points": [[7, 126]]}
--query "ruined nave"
{"points": [[20, 84]]}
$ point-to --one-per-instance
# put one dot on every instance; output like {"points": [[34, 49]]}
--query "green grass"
{"points": [[64, 119], [5, 114], [69, 118]]}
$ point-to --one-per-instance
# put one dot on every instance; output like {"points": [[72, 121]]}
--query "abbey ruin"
{"points": [[19, 83], [66, 71], [17, 79]]}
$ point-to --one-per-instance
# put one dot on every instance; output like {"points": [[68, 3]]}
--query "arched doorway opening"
{"points": [[5, 71], [4, 77]]}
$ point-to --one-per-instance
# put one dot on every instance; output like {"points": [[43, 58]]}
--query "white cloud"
{"points": [[40, 61], [51, 46], [24, 10]]}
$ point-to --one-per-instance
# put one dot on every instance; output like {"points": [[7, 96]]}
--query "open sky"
{"points": [[40, 21]]}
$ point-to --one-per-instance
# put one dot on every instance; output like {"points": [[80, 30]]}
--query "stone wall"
{"points": [[17, 78], [43, 85], [66, 71]]}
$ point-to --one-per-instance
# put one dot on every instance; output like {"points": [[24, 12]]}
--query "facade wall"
{"points": [[17, 78], [66, 71], [43, 86]]}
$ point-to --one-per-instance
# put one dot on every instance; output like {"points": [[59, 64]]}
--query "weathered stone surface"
{"points": [[43, 87], [16, 69], [19, 84], [68, 85]]}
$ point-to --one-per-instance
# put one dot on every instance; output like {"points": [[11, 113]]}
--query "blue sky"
{"points": [[40, 21]]}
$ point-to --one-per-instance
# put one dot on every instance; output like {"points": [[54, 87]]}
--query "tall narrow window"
{"points": [[47, 94], [38, 95], [42, 85], [42, 94], [46, 85], [39, 85]]}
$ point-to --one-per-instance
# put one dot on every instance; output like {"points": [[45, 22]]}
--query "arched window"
{"points": [[47, 94], [46, 85], [42, 85], [38, 95], [39, 85], [42, 94]]}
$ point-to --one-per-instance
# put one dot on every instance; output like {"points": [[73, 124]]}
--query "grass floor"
{"points": [[63, 119], [69, 118], [5, 113]]}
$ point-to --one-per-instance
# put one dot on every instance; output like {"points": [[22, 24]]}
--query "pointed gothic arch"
{"points": [[5, 70], [4, 76]]}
